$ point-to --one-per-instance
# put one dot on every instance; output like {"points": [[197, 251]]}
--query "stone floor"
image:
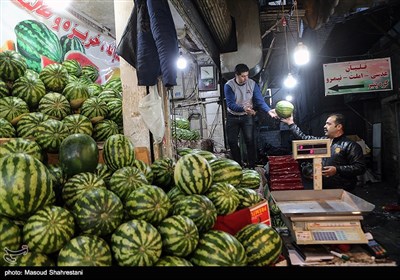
{"points": [[384, 225]]}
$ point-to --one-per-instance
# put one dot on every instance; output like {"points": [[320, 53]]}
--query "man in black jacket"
{"points": [[346, 161]]}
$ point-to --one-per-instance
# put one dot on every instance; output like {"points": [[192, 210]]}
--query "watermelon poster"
{"points": [[44, 36]]}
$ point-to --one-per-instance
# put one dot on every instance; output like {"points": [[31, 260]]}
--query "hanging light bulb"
{"points": [[181, 63], [301, 54], [290, 81]]}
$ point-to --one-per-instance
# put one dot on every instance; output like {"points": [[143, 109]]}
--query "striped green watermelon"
{"points": [[225, 198], [50, 134], [251, 179], [225, 170], [145, 168], [4, 90], [109, 94], [31, 74], [248, 197], [10, 238], [104, 173], [95, 109], [284, 109], [118, 152], [68, 44], [48, 230], [7, 130], [78, 184], [262, 243], [27, 125], [32, 187], [136, 243], [175, 195], [163, 172], [21, 145], [34, 40], [205, 154], [184, 151], [218, 248], [179, 235], [78, 123], [104, 129], [98, 211], [33, 259], [91, 72], [29, 90], [76, 93], [172, 261], [115, 110], [193, 174], [199, 208], [78, 153], [125, 180], [13, 108], [55, 105], [148, 203], [12, 65], [55, 77], [73, 67], [114, 83], [85, 251], [94, 89]]}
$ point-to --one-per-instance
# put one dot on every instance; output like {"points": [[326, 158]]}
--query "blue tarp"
{"points": [[149, 43]]}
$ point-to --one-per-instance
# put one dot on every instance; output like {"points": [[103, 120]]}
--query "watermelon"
{"points": [[103, 129], [85, 251], [179, 235], [78, 153], [218, 248], [284, 109], [95, 109], [225, 198], [48, 230], [27, 125], [118, 152], [12, 65], [148, 203], [91, 72], [248, 197], [50, 134], [251, 179], [262, 243], [76, 93], [125, 180], [7, 130], [31, 187], [103, 172], [225, 170], [78, 123], [136, 243], [193, 174], [55, 105], [35, 39], [73, 67], [4, 90], [172, 261], [33, 259], [29, 90], [199, 208], [98, 211], [10, 238], [55, 77], [163, 172], [13, 108], [21, 145], [145, 169], [175, 195]]}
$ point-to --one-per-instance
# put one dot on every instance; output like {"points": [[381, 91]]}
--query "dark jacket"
{"points": [[346, 155]]}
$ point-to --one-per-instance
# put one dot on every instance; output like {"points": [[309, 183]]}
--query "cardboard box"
{"points": [[234, 222]]}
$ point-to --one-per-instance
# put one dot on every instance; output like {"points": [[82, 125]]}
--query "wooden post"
{"points": [[317, 173]]}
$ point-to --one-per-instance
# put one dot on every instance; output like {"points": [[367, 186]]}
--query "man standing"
{"points": [[346, 161], [243, 97]]}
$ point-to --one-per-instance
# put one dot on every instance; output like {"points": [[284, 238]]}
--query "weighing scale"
{"points": [[320, 216]]}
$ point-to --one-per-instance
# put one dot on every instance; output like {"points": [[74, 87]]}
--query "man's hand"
{"points": [[288, 120], [328, 171], [249, 111], [273, 114]]}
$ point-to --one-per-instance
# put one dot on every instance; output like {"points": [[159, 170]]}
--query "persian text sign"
{"points": [[358, 76]]}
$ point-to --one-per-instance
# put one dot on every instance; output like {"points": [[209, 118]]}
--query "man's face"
{"points": [[242, 78], [330, 127]]}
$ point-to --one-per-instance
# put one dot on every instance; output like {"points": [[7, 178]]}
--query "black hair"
{"points": [[340, 119], [240, 68]]}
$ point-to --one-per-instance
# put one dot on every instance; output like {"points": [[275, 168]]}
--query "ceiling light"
{"points": [[289, 98], [181, 63], [301, 54], [290, 81]]}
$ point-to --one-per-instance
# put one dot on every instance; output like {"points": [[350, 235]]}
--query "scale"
{"points": [[331, 216]]}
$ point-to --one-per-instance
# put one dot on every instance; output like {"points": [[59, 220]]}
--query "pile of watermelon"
{"points": [[124, 211]]}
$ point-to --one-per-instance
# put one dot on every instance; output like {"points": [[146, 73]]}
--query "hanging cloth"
{"points": [[149, 43]]}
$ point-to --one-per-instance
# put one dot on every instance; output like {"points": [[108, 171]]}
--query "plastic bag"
{"points": [[150, 108]]}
